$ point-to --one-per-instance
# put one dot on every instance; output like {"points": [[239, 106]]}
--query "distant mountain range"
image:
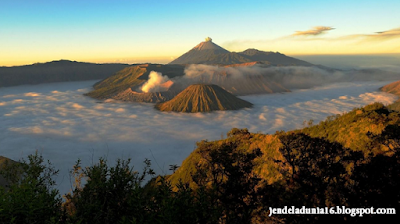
{"points": [[56, 71], [126, 84], [208, 52]]}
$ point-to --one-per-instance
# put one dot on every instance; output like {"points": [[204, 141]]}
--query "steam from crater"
{"points": [[155, 83]]}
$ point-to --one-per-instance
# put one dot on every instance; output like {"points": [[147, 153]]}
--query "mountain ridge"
{"points": [[207, 52], [56, 71], [393, 88]]}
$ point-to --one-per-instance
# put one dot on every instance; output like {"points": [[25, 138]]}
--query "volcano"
{"points": [[203, 98], [208, 52]]}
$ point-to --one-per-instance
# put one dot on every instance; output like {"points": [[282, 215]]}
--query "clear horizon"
{"points": [[159, 31]]}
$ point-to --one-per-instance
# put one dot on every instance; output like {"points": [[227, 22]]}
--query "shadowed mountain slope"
{"points": [[56, 71], [4, 161], [203, 98]]}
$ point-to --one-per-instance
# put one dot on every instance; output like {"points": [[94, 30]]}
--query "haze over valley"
{"points": [[64, 125]]}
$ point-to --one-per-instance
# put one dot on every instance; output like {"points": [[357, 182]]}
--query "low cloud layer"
{"points": [[64, 125], [315, 31]]}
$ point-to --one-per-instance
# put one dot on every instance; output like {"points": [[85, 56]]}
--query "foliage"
{"points": [[107, 193], [227, 171], [30, 196], [352, 129], [117, 195], [317, 174]]}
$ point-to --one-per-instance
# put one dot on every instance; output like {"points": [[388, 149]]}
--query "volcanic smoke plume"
{"points": [[156, 83]]}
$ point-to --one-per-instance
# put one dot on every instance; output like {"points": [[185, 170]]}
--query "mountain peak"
{"points": [[201, 53], [203, 98], [209, 45]]}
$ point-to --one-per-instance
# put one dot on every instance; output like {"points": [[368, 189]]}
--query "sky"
{"points": [[63, 125], [158, 31]]}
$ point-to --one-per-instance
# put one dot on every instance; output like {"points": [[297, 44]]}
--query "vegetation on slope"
{"points": [[203, 98], [31, 197], [348, 160], [355, 129]]}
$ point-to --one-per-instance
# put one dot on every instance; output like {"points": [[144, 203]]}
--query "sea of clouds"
{"points": [[63, 125]]}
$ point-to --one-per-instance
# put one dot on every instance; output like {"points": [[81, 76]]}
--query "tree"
{"points": [[317, 174], [30, 196], [110, 194], [227, 171]]}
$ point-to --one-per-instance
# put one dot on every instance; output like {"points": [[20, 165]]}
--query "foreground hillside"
{"points": [[351, 159], [356, 131], [56, 71], [232, 180]]}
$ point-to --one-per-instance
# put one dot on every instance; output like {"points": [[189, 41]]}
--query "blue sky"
{"points": [[158, 31]]}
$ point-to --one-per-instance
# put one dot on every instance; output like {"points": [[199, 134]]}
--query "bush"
{"points": [[30, 196]]}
